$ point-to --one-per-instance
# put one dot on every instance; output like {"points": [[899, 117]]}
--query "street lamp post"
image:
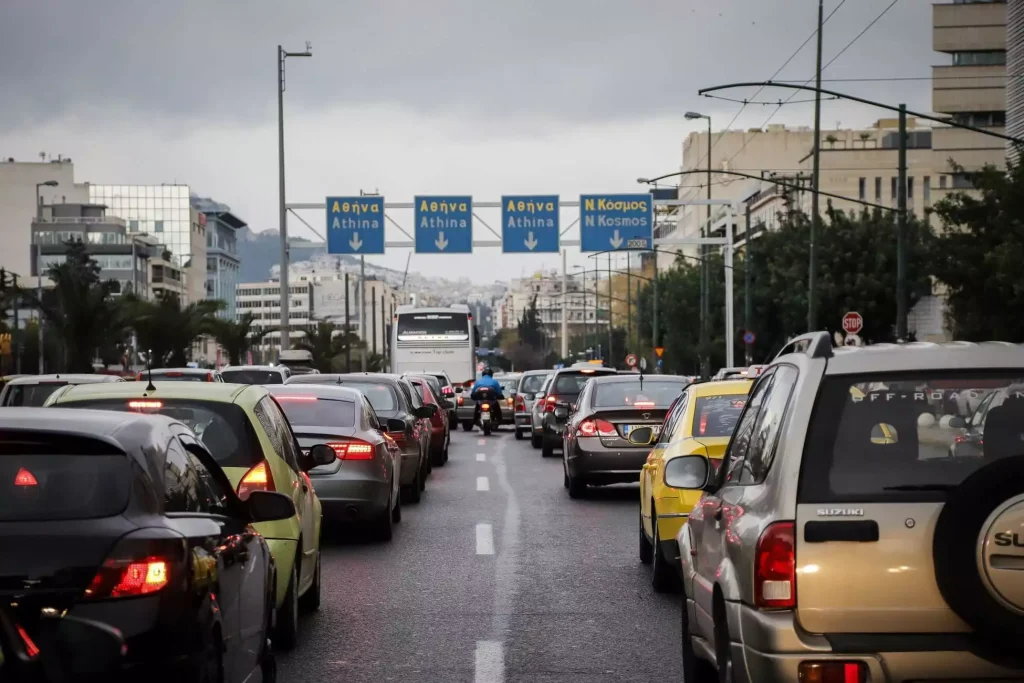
{"points": [[282, 55], [705, 280], [39, 269]]}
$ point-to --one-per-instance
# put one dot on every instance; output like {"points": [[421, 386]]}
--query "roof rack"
{"points": [[813, 344]]}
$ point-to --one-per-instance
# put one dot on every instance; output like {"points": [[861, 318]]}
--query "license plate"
{"points": [[626, 429], [485, 417]]}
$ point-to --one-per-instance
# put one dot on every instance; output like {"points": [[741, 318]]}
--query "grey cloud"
{"points": [[559, 60]]}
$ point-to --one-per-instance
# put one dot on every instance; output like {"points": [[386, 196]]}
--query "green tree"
{"points": [[978, 254], [237, 337], [329, 346], [531, 329], [79, 310], [167, 329]]}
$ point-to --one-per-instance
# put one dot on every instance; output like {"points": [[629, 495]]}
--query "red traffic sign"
{"points": [[659, 350], [852, 322], [631, 360]]}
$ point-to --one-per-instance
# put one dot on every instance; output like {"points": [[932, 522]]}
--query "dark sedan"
{"points": [[563, 390], [362, 484], [392, 397], [596, 450], [440, 431], [127, 520]]}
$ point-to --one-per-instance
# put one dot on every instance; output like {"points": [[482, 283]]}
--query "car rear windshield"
{"points": [[572, 382], [508, 385], [179, 377], [47, 478], [908, 437], [381, 396], [31, 395], [252, 376], [320, 412], [717, 415], [223, 427], [630, 394], [531, 384]]}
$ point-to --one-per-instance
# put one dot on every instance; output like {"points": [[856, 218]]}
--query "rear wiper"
{"points": [[920, 487]]}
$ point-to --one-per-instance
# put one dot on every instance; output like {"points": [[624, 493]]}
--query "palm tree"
{"points": [[167, 329], [80, 309], [327, 344], [236, 337]]}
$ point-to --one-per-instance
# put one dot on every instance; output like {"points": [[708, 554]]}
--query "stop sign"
{"points": [[852, 322]]}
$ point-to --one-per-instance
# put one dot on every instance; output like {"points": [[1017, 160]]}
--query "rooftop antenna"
{"points": [[149, 370]]}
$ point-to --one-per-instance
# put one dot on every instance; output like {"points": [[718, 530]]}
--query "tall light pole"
{"points": [[704, 275], [812, 274], [39, 269], [282, 55]]}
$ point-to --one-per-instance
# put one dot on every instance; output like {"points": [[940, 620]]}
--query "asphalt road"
{"points": [[496, 576]]}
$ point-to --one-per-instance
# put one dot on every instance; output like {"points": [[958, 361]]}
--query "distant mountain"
{"points": [[260, 251]]}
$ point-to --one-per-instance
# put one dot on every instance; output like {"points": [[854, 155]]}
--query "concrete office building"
{"points": [[222, 263], [263, 301], [1015, 67]]}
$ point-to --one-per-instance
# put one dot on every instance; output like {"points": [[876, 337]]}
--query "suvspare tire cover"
{"points": [[978, 550]]}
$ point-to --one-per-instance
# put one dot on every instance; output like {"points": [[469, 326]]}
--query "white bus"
{"points": [[434, 339]]}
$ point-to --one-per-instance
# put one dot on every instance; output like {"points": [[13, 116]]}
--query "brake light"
{"points": [[138, 377], [120, 579], [520, 404], [485, 406], [459, 401], [296, 398], [259, 478], [596, 428], [173, 374], [30, 647], [703, 424], [25, 478], [353, 450], [209, 377], [775, 567], [832, 672], [644, 404], [447, 391], [145, 405], [549, 404]]}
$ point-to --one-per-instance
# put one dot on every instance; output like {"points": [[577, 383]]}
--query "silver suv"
{"points": [[845, 538]]}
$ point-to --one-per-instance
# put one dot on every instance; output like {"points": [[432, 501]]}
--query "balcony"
{"points": [[83, 220]]}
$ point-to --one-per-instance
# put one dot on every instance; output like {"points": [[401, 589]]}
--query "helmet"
{"points": [[488, 372]]}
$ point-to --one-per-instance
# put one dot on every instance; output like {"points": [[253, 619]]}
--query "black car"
{"points": [[443, 390], [127, 520], [596, 449], [392, 397], [564, 388]]}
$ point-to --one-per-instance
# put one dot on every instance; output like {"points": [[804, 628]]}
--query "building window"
{"points": [[910, 189], [893, 188], [158, 226], [878, 189], [980, 58], [962, 181], [942, 182], [981, 119], [862, 188], [926, 190]]}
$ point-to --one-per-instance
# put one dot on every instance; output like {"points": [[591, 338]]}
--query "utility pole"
{"points": [[901, 231], [610, 357], [362, 309], [565, 309], [348, 330], [705, 278], [654, 303], [812, 273], [748, 305], [629, 306], [283, 216], [586, 322], [373, 318]]}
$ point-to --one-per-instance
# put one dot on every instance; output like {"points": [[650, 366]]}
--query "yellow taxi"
{"points": [[699, 423]]}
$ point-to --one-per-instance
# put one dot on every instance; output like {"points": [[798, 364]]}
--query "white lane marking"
{"points": [[481, 457], [483, 484], [480, 442], [490, 662], [484, 539]]}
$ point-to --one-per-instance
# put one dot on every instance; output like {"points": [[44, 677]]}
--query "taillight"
{"points": [[520, 404], [138, 377], [447, 391], [485, 406], [775, 567], [460, 401], [644, 404], [25, 478], [832, 672], [596, 428], [549, 404], [209, 377], [259, 478], [353, 450], [703, 424], [138, 566]]}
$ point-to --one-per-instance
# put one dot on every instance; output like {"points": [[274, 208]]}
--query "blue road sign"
{"points": [[660, 362], [444, 225], [616, 222], [749, 337], [355, 225], [529, 224]]}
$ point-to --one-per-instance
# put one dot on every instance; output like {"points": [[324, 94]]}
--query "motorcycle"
{"points": [[488, 410]]}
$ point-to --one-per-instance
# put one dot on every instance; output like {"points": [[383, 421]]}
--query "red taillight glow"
{"points": [[520, 404], [775, 567], [30, 647], [703, 424], [145, 405], [485, 406], [549, 404], [832, 672], [25, 478], [460, 401], [644, 404], [138, 377], [447, 391], [353, 450], [259, 478], [209, 377], [116, 579], [596, 428], [174, 374]]}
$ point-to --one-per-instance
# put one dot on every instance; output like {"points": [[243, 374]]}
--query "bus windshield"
{"points": [[444, 324]]}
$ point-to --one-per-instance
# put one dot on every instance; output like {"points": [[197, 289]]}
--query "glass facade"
{"points": [[222, 264], [151, 209]]}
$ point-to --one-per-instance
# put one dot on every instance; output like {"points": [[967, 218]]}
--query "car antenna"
{"points": [[149, 370], [642, 365]]}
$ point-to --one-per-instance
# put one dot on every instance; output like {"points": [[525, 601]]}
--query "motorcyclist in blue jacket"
{"points": [[488, 382]]}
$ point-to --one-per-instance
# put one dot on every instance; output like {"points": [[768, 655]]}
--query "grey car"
{"points": [[33, 390], [362, 485], [530, 384], [537, 413], [256, 374]]}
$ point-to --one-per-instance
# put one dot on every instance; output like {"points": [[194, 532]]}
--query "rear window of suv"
{"points": [[572, 382], [889, 438]]}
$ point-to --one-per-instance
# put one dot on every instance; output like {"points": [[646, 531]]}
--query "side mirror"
{"points": [[687, 472], [538, 396], [958, 422], [641, 436], [394, 426], [269, 506], [75, 649], [426, 411], [322, 454]]}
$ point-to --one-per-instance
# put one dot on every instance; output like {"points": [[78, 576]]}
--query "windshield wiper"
{"points": [[920, 487]]}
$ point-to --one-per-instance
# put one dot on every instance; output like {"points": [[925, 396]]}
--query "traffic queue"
{"points": [[187, 512]]}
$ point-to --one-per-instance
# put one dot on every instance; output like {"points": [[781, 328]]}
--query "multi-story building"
{"points": [[1015, 67], [195, 265], [584, 303], [167, 277], [972, 87], [222, 262], [263, 301]]}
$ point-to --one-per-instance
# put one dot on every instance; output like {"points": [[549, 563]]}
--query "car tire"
{"points": [[646, 549], [447, 443], [546, 449], [467, 425], [695, 669], [663, 577], [519, 434], [577, 488], [382, 530], [723, 648], [212, 664], [486, 427], [412, 492], [535, 441], [310, 600], [286, 630], [396, 511]]}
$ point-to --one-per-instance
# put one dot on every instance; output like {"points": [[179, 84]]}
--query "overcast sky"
{"points": [[409, 97]]}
